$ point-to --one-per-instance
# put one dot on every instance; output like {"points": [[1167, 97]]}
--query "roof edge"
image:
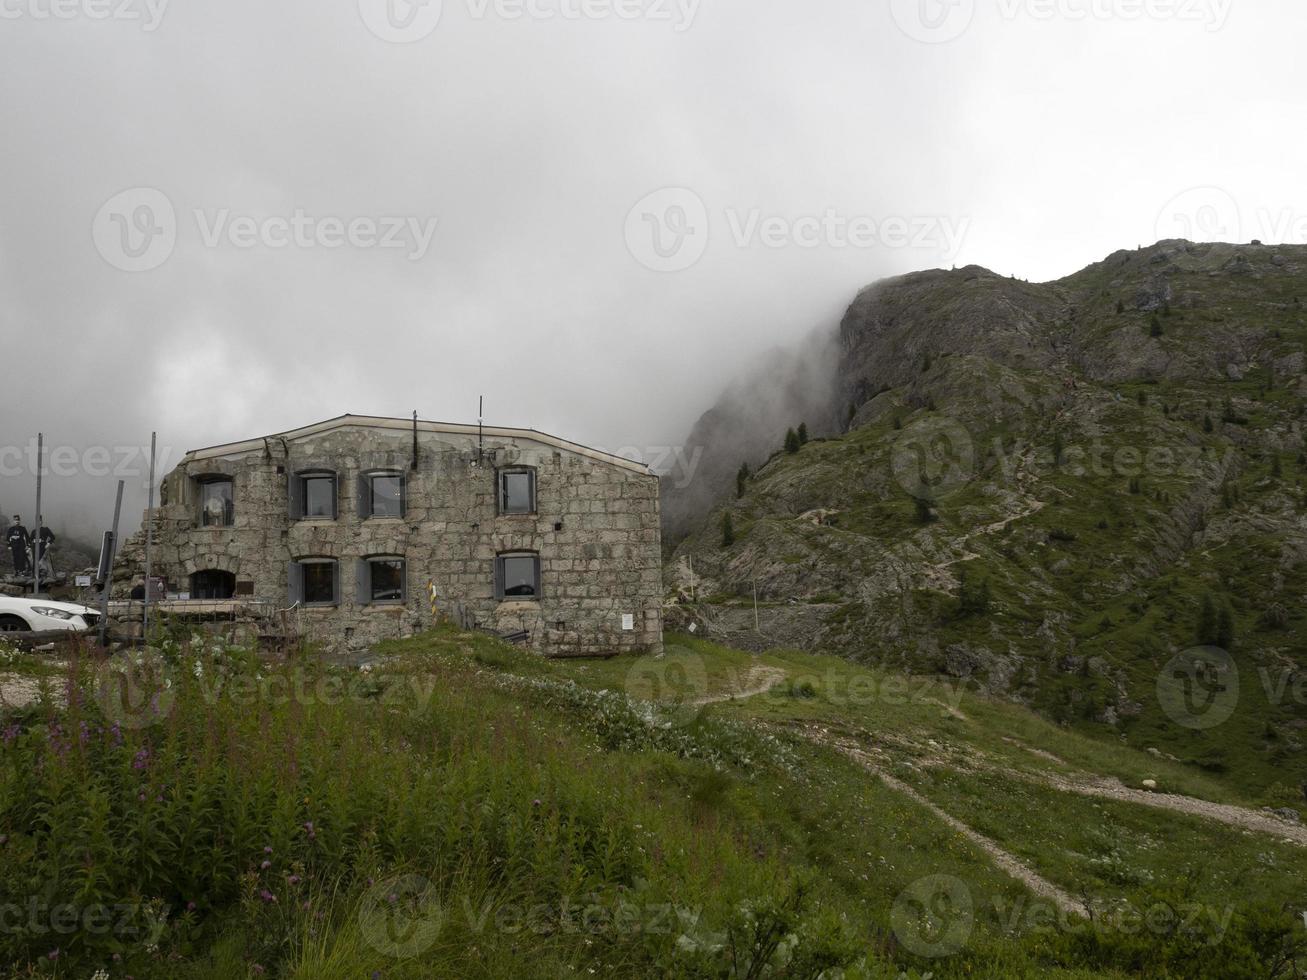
{"points": [[386, 422]]}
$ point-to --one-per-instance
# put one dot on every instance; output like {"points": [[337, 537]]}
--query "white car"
{"points": [[38, 615]]}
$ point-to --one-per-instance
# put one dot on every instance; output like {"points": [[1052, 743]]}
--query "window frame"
{"points": [[202, 483], [298, 495], [295, 583], [365, 585], [194, 579], [501, 493], [367, 494], [501, 575]]}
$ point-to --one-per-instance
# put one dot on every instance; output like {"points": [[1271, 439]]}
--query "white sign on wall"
{"points": [[628, 622]]}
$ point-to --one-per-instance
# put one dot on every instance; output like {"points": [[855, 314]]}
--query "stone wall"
{"points": [[596, 530]]}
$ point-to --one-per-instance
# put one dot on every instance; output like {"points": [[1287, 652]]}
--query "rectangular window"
{"points": [[517, 492], [517, 576], [385, 495], [318, 496], [387, 577], [315, 582], [217, 503]]}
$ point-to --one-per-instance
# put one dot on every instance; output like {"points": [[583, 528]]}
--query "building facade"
{"points": [[359, 524]]}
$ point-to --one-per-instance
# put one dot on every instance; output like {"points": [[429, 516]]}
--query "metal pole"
{"points": [[108, 582], [756, 627], [149, 542], [40, 460], [693, 598]]}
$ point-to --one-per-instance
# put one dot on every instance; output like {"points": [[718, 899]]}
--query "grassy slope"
{"points": [[514, 784]]}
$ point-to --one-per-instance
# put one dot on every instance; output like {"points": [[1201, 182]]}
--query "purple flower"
{"points": [[267, 896], [293, 880], [190, 906], [53, 954], [265, 865], [267, 850], [141, 759]]}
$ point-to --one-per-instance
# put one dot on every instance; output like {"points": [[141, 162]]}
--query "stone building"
{"points": [[357, 522]]}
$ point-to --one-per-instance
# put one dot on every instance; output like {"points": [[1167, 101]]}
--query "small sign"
{"points": [[82, 581], [628, 622], [694, 627]]}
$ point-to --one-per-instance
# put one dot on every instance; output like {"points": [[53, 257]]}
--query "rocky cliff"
{"points": [[1051, 489]]}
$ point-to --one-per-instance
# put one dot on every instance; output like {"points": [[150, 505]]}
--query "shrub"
{"points": [[728, 530]]}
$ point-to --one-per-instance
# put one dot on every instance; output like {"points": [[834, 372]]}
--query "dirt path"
{"points": [[759, 680], [1006, 861], [1113, 789]]}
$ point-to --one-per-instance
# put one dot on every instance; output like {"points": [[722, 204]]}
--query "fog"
{"points": [[224, 220]]}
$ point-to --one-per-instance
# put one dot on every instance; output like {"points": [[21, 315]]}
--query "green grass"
{"points": [[480, 801]]}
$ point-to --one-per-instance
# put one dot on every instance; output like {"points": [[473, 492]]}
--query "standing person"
{"points": [[46, 538], [18, 540]]}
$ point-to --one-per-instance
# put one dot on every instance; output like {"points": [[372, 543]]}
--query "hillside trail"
{"points": [[759, 680], [1004, 860]]}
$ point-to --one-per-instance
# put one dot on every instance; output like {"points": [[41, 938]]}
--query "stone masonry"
{"points": [[595, 530]]}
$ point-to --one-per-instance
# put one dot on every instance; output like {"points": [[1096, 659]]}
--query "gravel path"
{"points": [[1006, 861], [1234, 816]]}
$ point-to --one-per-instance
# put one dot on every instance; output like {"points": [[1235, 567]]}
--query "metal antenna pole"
{"points": [[108, 580], [40, 461], [149, 542], [481, 414]]}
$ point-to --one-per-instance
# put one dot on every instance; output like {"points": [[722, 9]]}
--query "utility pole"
{"points": [[149, 542], [40, 465], [111, 547], [756, 627]]}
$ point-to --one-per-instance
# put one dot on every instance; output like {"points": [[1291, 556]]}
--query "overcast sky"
{"points": [[220, 220]]}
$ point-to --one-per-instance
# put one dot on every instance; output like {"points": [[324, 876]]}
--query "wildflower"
{"points": [[293, 880], [267, 896], [265, 865], [53, 954], [267, 849], [190, 906]]}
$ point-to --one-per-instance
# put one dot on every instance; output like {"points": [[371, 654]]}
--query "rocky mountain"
{"points": [[785, 384], [1054, 490]]}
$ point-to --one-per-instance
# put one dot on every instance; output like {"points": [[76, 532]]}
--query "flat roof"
{"points": [[406, 425]]}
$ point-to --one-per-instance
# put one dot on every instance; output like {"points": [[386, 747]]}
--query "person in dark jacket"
{"points": [[46, 537], [19, 540]]}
